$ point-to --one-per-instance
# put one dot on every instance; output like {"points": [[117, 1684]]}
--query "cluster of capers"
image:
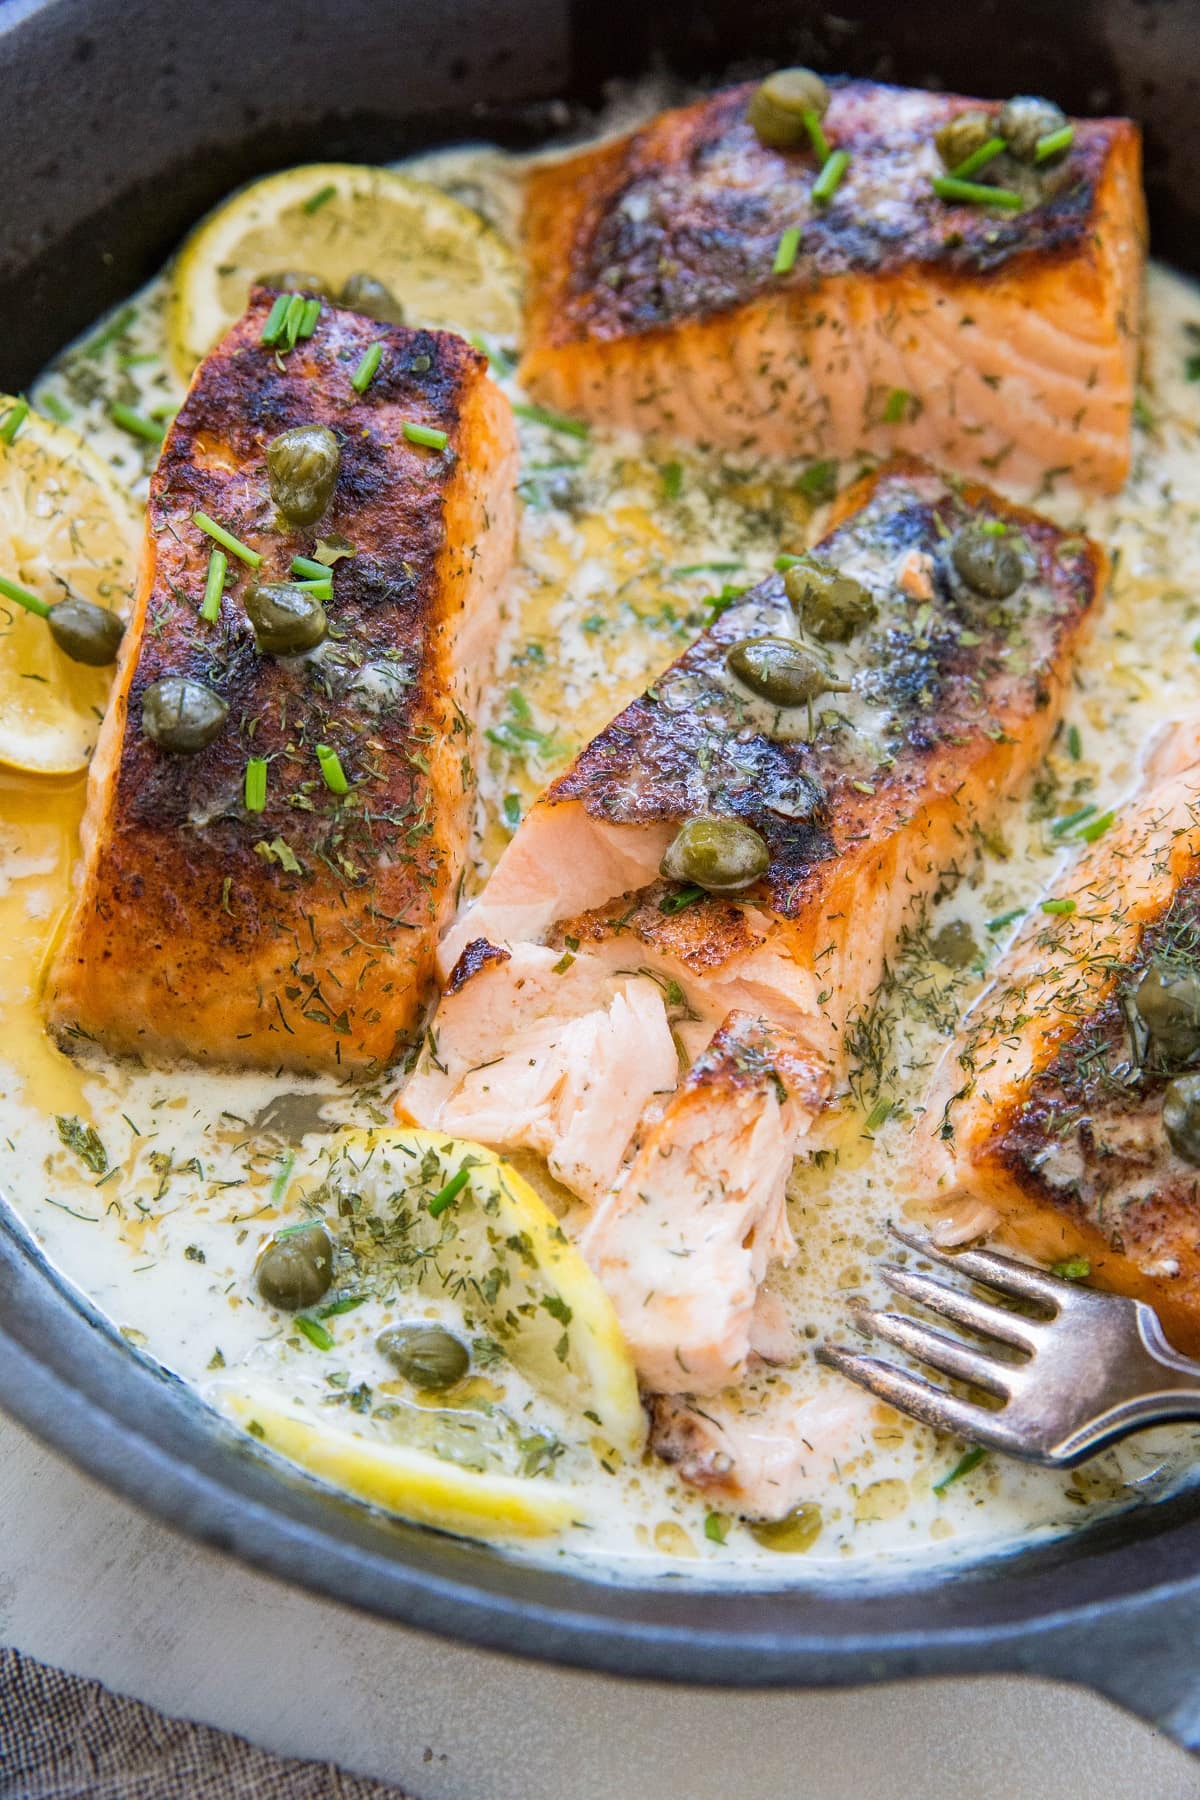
{"points": [[1023, 123], [1167, 1003], [779, 105], [362, 293]]}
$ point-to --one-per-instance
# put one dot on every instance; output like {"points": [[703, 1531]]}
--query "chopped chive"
{"points": [[683, 897], [135, 423], [214, 587], [994, 528], [963, 1466], [308, 321], [1075, 1268], [14, 418], [347, 1303], [332, 770], [672, 480], [24, 598], [563, 964], [316, 201], [1058, 907], [785, 560], [279, 1181], [556, 421], [117, 326], [975, 193], [293, 318], [830, 179], [273, 324], [785, 255], [1053, 142], [978, 159], [1074, 744], [1097, 827], [879, 1115], [315, 1332], [512, 811], [897, 406], [819, 481], [1003, 919], [54, 407], [445, 1197], [314, 571], [816, 135], [716, 1527], [368, 363], [1071, 820], [255, 791], [426, 435], [227, 540], [320, 590], [707, 568]]}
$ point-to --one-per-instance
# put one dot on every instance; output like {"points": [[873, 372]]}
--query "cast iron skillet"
{"points": [[121, 123]]}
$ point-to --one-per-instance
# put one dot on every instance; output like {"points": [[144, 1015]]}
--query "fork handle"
{"points": [[1173, 1393]]}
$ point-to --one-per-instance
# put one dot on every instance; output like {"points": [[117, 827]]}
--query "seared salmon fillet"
{"points": [[300, 935], [990, 341], [867, 802], [1047, 1121], [684, 1240]]}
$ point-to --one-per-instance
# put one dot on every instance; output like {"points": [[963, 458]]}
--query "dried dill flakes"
{"points": [[1075, 1268], [279, 851], [194, 1253], [84, 1140], [716, 1527], [539, 1452]]}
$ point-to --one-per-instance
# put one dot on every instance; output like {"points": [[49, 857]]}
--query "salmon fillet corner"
{"points": [[301, 935], [992, 342]]}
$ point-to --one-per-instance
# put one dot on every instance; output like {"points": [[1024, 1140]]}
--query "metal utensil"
{"points": [[1090, 1369]]}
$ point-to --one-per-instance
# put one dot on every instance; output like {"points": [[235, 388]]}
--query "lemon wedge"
{"points": [[65, 523], [454, 1219], [410, 1483], [444, 264]]}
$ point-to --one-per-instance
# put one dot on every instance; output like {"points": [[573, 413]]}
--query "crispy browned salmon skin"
{"points": [[990, 341], [867, 802], [301, 935], [1046, 1121]]}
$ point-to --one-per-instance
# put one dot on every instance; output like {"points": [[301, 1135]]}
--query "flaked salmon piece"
{"points": [[762, 1454], [683, 1242], [952, 702], [302, 935], [545, 1052], [986, 340], [1044, 1123]]}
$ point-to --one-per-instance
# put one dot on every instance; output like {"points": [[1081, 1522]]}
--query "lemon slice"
{"points": [[444, 264], [65, 522], [411, 1483], [465, 1224]]}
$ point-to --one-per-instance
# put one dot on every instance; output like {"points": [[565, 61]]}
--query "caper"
{"points": [[295, 1269], [287, 619], [85, 632], [1181, 1117], [778, 105], [1168, 1002], [364, 294], [796, 1532], [297, 281], [955, 945], [182, 715], [425, 1354], [302, 468], [719, 855], [989, 562], [962, 136], [1024, 121], [781, 670], [832, 607]]}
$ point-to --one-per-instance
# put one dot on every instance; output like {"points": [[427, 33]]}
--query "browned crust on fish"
{"points": [[681, 219], [302, 936], [477, 955]]}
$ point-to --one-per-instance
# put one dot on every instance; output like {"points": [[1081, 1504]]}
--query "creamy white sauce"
{"points": [[615, 560]]}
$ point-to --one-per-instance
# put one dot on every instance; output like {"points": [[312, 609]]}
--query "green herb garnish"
{"points": [[978, 159], [1075, 1268], [830, 179], [310, 569], [716, 1528], [1059, 907], [896, 407], [254, 788], [446, 1196], [14, 418], [332, 770], [214, 587], [368, 364], [314, 1331], [316, 201], [425, 435], [816, 134], [273, 323], [136, 423], [1097, 827], [680, 899], [84, 1140], [962, 1467], [1053, 142], [785, 255], [1008, 918], [227, 540], [672, 480], [975, 193], [554, 421]]}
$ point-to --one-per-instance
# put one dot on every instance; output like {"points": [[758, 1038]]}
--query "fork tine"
{"points": [[941, 1352], [1001, 1272], [920, 1398], [962, 1309]]}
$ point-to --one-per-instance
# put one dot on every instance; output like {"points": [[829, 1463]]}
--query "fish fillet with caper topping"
{"points": [[278, 806], [823, 268]]}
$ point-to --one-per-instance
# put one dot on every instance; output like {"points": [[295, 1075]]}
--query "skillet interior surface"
{"points": [[124, 125]]}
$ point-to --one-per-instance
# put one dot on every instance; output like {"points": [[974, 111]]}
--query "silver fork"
{"points": [[1095, 1369]]}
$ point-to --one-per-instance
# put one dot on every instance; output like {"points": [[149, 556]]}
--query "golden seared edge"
{"points": [[986, 340], [300, 936]]}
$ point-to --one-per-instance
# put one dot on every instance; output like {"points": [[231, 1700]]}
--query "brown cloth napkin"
{"points": [[62, 1738]]}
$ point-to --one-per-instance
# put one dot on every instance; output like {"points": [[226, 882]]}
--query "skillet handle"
{"points": [[1144, 1656]]}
